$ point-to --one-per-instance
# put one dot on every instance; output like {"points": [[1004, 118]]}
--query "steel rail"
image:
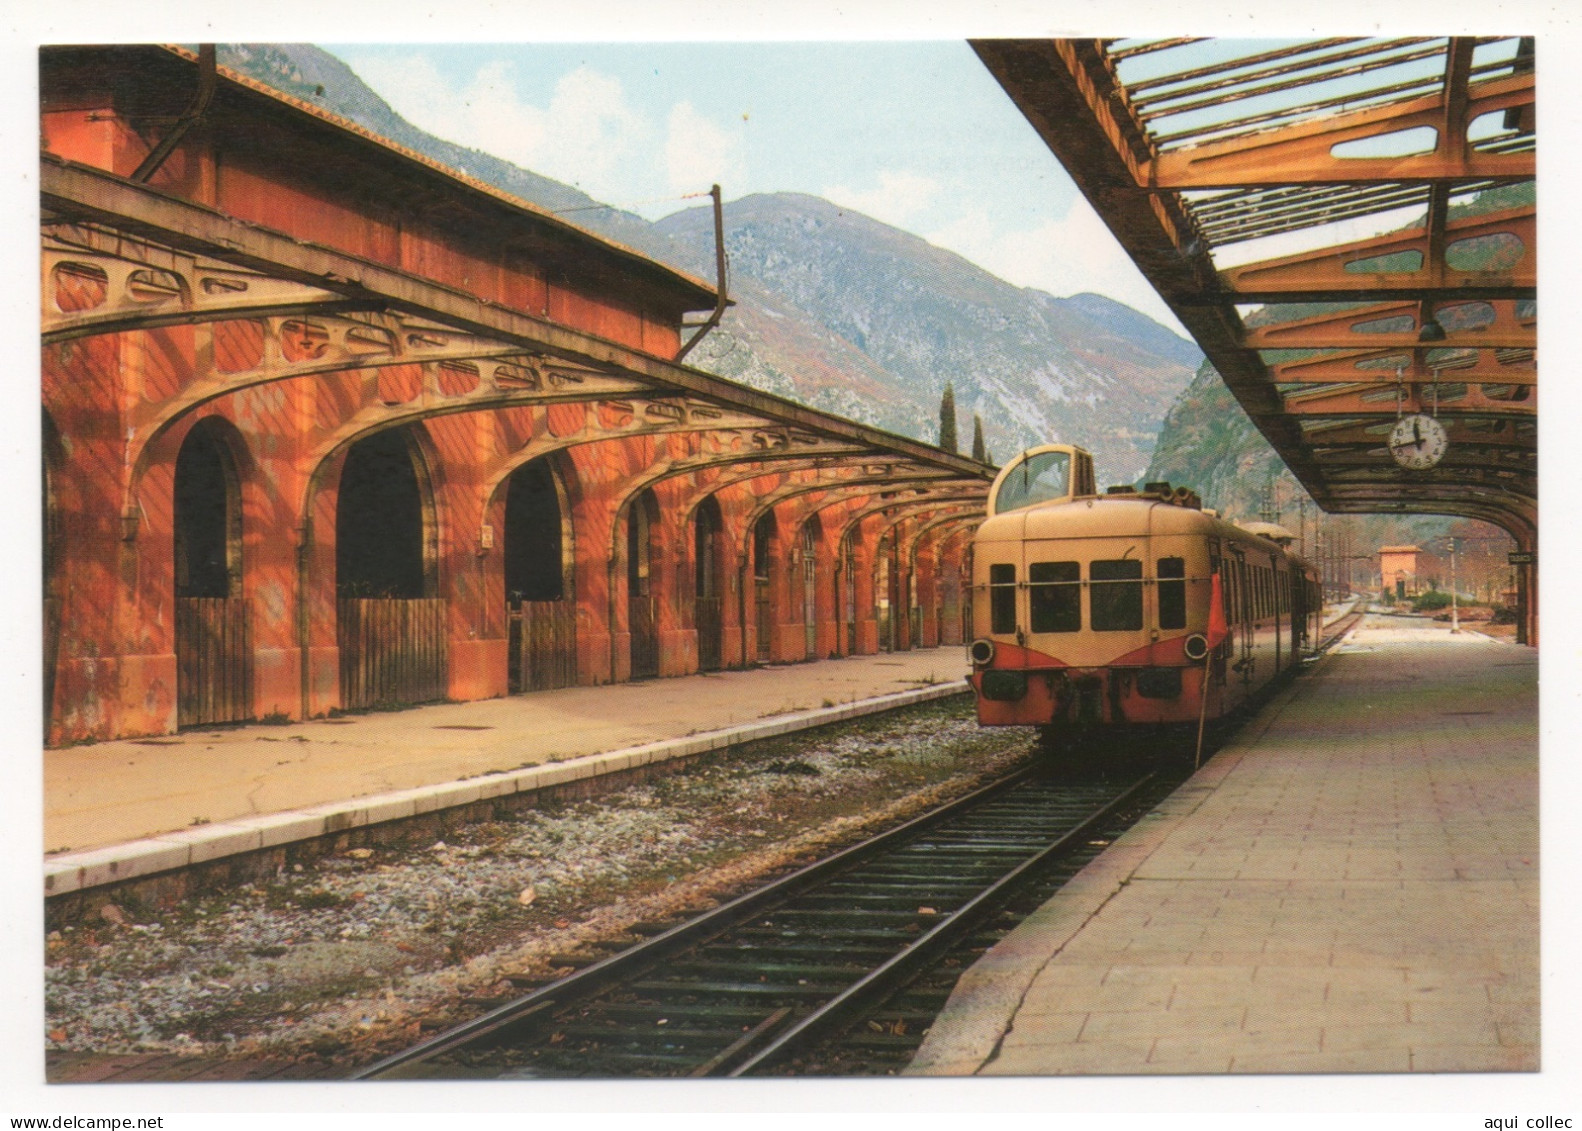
{"points": [[929, 947], [599, 975]]}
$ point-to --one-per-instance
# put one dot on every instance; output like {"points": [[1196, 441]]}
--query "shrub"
{"points": [[1428, 602]]}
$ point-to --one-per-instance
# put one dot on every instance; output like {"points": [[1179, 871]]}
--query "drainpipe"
{"points": [[200, 106], [721, 301]]}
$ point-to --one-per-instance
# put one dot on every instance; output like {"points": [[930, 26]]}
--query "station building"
{"points": [[328, 426]]}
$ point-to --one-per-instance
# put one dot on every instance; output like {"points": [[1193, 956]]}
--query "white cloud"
{"points": [[1064, 257], [699, 153], [483, 114], [588, 135], [591, 131], [901, 197]]}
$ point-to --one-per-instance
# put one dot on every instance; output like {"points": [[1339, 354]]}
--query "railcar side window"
{"points": [[1055, 592], [1172, 592], [1116, 601], [1002, 598]]}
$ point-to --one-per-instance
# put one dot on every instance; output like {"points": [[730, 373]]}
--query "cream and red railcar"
{"points": [[1128, 609]]}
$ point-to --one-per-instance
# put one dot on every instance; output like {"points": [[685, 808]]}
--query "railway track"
{"points": [[1336, 630], [766, 981]]}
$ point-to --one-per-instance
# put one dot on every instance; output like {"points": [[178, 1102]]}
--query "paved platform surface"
{"points": [[1349, 886], [114, 792]]}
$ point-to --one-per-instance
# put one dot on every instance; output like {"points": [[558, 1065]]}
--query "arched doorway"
{"points": [[849, 577], [708, 557], [811, 533], [642, 521], [391, 629], [541, 611], [912, 630], [884, 596], [213, 647], [763, 589]]}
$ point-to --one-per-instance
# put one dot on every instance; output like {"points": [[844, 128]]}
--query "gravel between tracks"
{"points": [[361, 953]]}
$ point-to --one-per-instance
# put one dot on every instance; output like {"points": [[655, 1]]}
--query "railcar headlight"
{"points": [[981, 653], [1196, 646]]}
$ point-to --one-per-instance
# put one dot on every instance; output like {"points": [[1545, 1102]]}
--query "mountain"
{"points": [[1034, 367], [845, 313]]}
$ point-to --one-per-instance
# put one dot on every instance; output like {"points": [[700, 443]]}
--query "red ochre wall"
{"points": [[112, 573]]}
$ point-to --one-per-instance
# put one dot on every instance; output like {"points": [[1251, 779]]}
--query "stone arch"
{"points": [[810, 541], [765, 538], [391, 624], [539, 564], [643, 555], [710, 562], [213, 646], [386, 520]]}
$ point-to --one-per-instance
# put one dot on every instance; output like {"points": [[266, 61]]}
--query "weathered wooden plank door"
{"points": [[543, 644], [709, 615], [214, 671], [393, 651]]}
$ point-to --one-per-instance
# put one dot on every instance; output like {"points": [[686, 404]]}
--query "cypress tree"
{"points": [[947, 420], [979, 452]]}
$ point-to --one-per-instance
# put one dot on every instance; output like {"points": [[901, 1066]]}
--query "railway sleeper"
{"points": [[832, 916], [723, 1014], [849, 971], [933, 896], [795, 991], [791, 952]]}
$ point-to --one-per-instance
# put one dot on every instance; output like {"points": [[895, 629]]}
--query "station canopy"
{"points": [[1346, 226]]}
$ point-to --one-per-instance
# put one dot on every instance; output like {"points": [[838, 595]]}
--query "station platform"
{"points": [[118, 810], [1350, 885]]}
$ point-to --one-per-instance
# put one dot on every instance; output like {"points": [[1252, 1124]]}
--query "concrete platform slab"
{"points": [[1349, 886], [327, 781]]}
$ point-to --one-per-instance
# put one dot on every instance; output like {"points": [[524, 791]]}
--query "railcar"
{"points": [[1130, 609]]}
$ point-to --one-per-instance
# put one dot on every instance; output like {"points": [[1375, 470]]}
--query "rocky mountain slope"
{"points": [[846, 313], [1034, 367]]}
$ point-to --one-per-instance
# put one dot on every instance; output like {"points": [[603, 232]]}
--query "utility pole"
{"points": [[1455, 620]]}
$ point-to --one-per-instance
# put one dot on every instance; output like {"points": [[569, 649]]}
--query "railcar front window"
{"points": [[1116, 603], [1172, 592], [1039, 478], [1002, 598], [1055, 593]]}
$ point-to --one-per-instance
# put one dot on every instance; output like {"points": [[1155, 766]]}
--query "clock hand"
{"points": [[1417, 433]]}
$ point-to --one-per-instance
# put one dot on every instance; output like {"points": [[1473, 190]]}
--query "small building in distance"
{"points": [[1398, 571]]}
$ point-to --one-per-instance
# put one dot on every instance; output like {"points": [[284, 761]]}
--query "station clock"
{"points": [[1418, 442]]}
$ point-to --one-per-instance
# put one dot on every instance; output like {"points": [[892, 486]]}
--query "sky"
{"points": [[916, 134]]}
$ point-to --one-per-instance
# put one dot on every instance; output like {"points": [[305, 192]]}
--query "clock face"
{"points": [[1418, 442]]}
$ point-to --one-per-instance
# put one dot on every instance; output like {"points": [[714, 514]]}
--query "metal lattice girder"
{"points": [[1414, 366], [897, 492], [99, 282], [1182, 146], [1451, 400], [1304, 153], [1417, 262], [1518, 434], [81, 195], [1477, 324]]}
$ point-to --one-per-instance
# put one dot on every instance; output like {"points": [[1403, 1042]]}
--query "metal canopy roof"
{"points": [[1346, 226]]}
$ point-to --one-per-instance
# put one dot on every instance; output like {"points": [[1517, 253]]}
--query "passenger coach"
{"points": [[1128, 609]]}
